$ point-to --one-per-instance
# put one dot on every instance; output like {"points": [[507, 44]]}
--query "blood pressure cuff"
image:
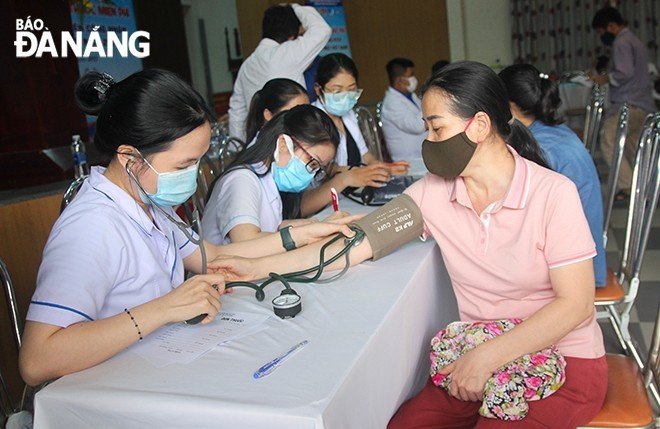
{"points": [[392, 225]]}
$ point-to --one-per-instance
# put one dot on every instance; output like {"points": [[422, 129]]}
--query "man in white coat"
{"points": [[403, 127], [285, 51]]}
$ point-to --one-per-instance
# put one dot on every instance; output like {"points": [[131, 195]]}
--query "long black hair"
{"points": [[305, 123], [275, 94], [148, 110], [535, 94], [331, 65], [473, 87]]}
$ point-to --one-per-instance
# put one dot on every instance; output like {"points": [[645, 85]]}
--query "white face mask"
{"points": [[412, 83]]}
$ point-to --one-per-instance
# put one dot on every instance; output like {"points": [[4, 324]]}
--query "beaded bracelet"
{"points": [[134, 322]]}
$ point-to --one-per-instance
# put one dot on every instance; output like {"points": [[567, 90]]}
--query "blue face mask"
{"points": [[293, 177], [174, 187], [340, 103]]}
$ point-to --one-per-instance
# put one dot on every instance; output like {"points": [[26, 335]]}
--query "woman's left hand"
{"points": [[234, 268], [314, 232], [469, 374]]}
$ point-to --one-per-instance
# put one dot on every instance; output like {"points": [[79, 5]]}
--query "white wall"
{"points": [[217, 15], [480, 30]]}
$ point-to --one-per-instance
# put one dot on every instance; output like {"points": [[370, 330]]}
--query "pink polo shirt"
{"points": [[499, 261]]}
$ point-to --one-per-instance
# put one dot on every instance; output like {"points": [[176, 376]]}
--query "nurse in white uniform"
{"points": [[276, 96], [113, 267], [292, 149], [338, 92]]}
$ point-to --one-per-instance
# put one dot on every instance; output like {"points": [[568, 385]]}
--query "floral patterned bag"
{"points": [[528, 378]]}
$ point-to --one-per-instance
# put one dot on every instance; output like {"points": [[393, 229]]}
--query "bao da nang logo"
{"points": [[34, 40]]}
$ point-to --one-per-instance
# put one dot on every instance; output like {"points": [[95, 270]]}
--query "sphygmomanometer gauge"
{"points": [[288, 304]]}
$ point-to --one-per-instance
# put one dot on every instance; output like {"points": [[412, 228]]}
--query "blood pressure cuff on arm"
{"points": [[392, 225]]}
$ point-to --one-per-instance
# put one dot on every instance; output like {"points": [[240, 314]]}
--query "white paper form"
{"points": [[181, 343]]}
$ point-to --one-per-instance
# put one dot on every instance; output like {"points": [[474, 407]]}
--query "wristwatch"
{"points": [[287, 241]]}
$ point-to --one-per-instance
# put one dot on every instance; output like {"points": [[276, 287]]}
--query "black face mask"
{"points": [[607, 38], [448, 158]]}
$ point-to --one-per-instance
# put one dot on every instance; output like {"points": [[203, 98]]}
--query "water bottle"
{"points": [[81, 168]]}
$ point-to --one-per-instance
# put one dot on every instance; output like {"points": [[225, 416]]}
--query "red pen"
{"points": [[335, 199]]}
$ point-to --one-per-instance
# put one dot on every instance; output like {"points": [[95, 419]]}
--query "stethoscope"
{"points": [[288, 304]]}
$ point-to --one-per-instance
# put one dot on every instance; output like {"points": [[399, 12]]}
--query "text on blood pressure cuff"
{"points": [[392, 225]]}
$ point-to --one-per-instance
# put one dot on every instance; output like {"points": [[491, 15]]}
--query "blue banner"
{"points": [[333, 13], [105, 16]]}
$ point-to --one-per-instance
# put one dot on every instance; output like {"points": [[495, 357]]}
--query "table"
{"points": [[369, 338]]}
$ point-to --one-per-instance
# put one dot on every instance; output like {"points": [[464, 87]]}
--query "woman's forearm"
{"points": [[246, 232], [546, 327], [49, 351], [369, 158], [314, 200], [309, 256]]}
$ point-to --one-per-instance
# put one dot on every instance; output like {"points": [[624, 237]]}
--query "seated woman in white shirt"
{"points": [[336, 86], [292, 149], [113, 267], [277, 95]]}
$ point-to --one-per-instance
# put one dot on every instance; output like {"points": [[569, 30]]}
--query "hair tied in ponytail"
{"points": [[103, 85]]}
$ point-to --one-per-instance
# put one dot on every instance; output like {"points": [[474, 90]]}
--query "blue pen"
{"points": [[270, 366]]}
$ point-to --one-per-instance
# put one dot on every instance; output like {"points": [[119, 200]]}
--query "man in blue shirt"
{"points": [[630, 82]]}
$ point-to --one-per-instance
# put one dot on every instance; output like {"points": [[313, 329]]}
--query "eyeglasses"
{"points": [[314, 166]]}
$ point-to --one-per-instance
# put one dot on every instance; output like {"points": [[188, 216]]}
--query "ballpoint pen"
{"points": [[272, 365]]}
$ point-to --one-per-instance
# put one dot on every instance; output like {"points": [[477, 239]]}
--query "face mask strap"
{"points": [[468, 126], [469, 123], [288, 141]]}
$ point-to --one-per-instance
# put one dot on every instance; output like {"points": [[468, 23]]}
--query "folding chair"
{"points": [[646, 188], [627, 400], [370, 131], [593, 117], [379, 114], [207, 172], [379, 122], [72, 191], [7, 406], [613, 176]]}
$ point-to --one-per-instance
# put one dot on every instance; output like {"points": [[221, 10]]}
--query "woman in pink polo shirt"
{"points": [[516, 244]]}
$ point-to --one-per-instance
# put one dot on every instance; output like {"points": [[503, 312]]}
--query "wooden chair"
{"points": [[627, 402]]}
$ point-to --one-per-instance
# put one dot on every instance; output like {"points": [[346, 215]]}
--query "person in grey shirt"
{"points": [[630, 82]]}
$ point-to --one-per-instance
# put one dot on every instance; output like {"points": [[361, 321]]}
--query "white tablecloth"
{"points": [[369, 338]]}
